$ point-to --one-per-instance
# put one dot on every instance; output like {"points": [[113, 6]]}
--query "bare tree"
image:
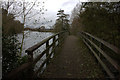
{"points": [[24, 10]]}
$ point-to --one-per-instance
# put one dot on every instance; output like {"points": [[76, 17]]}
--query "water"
{"points": [[32, 38]]}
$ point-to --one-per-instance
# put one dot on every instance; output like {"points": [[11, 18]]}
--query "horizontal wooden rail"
{"points": [[31, 62], [40, 56], [100, 61], [105, 55], [112, 47], [33, 48], [90, 43], [40, 68]]}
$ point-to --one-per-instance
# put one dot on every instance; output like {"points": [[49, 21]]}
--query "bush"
{"points": [[10, 50]]}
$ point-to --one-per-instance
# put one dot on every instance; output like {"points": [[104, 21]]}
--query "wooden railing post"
{"points": [[58, 40], [54, 44], [26, 70], [30, 70], [102, 56], [30, 56], [63, 36], [47, 52], [100, 48]]}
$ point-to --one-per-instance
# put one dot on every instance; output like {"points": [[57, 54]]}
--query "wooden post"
{"points": [[63, 37], [47, 52], [91, 40], [58, 40], [54, 44], [30, 56], [30, 70], [99, 54]]}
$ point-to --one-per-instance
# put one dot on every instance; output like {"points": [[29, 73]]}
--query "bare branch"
{"points": [[31, 8]]}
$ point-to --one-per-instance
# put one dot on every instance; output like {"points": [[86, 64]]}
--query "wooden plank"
{"points": [[59, 39], [54, 43], [36, 72], [32, 62], [48, 57], [112, 47], [40, 56], [47, 51], [33, 48], [100, 61], [105, 55], [30, 56]]}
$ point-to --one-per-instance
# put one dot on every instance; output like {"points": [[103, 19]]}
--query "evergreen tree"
{"points": [[62, 23]]}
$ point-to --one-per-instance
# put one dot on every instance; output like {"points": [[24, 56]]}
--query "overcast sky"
{"points": [[52, 7]]}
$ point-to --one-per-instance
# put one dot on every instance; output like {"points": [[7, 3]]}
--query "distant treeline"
{"points": [[38, 29], [9, 25], [99, 19]]}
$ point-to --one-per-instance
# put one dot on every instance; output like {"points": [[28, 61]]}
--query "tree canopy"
{"points": [[10, 44], [9, 25], [100, 19], [62, 23]]}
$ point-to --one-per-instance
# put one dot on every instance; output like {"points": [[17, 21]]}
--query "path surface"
{"points": [[73, 61]]}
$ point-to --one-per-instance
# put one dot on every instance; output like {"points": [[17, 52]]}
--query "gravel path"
{"points": [[74, 61]]}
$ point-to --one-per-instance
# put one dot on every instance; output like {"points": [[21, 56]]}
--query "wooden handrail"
{"points": [[105, 55], [33, 48], [112, 47], [90, 44], [100, 61], [40, 56], [32, 62]]}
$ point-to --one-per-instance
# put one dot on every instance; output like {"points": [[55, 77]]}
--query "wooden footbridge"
{"points": [[66, 57]]}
